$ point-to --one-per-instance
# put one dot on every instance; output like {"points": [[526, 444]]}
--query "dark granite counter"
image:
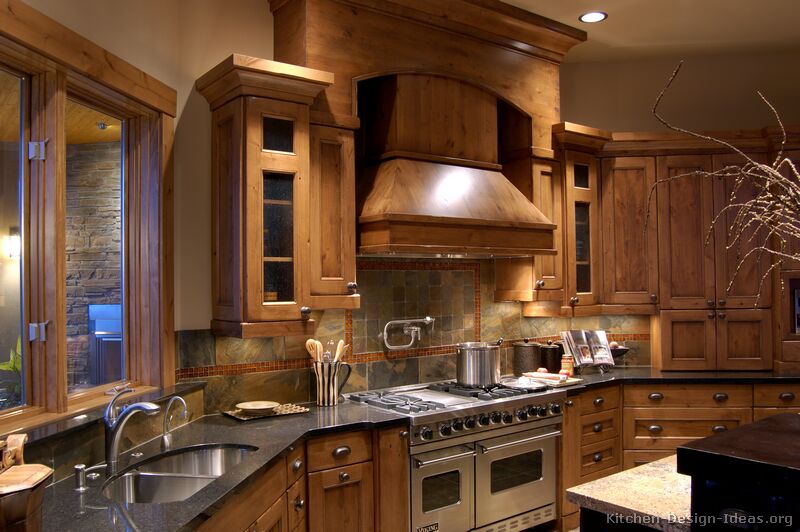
{"points": [[65, 509], [647, 375]]}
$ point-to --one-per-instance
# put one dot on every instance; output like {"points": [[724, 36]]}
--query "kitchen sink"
{"points": [[175, 475]]}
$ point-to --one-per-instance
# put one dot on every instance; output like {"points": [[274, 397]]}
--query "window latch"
{"points": [[37, 331], [37, 150]]}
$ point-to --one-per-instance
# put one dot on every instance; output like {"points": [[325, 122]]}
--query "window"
{"points": [[85, 225]]}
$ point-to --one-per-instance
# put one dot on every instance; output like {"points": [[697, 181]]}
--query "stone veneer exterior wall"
{"points": [[277, 368], [93, 230]]}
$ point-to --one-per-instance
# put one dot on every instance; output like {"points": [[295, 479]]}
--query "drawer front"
{"points": [[296, 463], [780, 395], [636, 458], [600, 426], [598, 400], [599, 456], [297, 503], [689, 396], [761, 413], [666, 428], [337, 450]]}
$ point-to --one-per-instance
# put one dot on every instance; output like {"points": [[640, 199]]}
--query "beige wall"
{"points": [[712, 92], [177, 41]]}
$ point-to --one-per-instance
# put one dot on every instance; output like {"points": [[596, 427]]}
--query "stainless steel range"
{"points": [[481, 459]]}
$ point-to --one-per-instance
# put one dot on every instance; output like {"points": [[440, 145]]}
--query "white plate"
{"points": [[257, 407]]}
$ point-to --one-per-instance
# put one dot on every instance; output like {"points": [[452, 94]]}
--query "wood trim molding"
{"points": [[26, 25]]}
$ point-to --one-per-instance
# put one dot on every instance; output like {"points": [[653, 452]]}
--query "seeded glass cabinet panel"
{"points": [[583, 235]]}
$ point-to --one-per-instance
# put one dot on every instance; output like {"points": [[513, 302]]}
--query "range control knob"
{"points": [[555, 408], [541, 411], [445, 430], [507, 417], [426, 433], [484, 419], [497, 417], [522, 414], [458, 424], [532, 410], [469, 423]]}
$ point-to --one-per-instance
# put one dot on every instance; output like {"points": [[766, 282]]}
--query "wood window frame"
{"points": [[56, 62]]}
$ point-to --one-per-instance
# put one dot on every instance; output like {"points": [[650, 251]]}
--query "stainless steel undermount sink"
{"points": [[175, 475]]}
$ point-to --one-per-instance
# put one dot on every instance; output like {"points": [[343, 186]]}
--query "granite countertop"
{"points": [[648, 375], [654, 495], [64, 509]]}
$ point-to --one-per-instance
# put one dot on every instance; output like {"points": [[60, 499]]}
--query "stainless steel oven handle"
{"points": [[423, 463], [485, 450]]}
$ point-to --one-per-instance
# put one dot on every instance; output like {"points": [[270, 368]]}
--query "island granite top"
{"points": [[654, 495]]}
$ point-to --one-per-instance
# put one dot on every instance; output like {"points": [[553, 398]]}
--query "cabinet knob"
{"points": [[721, 302], [710, 303], [574, 300], [299, 504], [711, 315], [722, 315], [540, 283], [719, 428], [344, 477], [655, 429], [296, 465], [597, 457], [305, 312], [352, 287], [341, 452], [786, 396], [403, 434], [654, 298], [656, 396], [569, 402], [597, 427], [599, 401], [720, 397]]}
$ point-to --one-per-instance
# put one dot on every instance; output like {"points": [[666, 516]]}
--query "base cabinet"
{"points": [[341, 499], [274, 519]]}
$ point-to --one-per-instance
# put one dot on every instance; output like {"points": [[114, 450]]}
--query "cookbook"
{"points": [[587, 347]]}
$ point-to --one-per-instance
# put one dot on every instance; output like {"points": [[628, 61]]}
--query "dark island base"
{"points": [[594, 521]]}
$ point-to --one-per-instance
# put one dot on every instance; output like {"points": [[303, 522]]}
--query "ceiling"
{"points": [[639, 29]]}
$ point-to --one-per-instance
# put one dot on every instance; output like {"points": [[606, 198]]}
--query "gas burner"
{"points": [[487, 393], [396, 401]]}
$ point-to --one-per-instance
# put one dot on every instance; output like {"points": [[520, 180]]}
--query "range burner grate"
{"points": [[484, 393], [398, 402]]}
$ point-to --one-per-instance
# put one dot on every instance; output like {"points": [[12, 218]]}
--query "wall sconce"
{"points": [[13, 244]]}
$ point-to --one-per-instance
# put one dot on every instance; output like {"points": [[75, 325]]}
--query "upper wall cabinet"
{"points": [[283, 237]]}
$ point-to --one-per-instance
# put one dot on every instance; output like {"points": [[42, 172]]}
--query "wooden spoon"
{"points": [[311, 347], [339, 351]]}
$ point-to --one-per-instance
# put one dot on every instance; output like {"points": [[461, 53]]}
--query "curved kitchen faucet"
{"points": [[115, 420], [408, 328], [166, 437]]}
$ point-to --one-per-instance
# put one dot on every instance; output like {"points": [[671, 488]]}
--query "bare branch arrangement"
{"points": [[764, 201]]}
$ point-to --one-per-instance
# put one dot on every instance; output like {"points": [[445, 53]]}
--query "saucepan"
{"points": [[478, 363]]}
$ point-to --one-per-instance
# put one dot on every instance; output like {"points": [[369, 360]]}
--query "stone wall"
{"points": [[93, 233]]}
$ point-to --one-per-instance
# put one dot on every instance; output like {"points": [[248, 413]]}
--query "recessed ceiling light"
{"points": [[593, 16]]}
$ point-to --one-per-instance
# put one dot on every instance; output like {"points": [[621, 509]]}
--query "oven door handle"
{"points": [[485, 449], [423, 463]]}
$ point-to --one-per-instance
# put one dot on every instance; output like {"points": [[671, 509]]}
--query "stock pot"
{"points": [[478, 363]]}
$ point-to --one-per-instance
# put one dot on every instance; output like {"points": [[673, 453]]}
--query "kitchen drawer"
{"points": [[598, 456], [600, 426], [598, 400], [297, 503], [781, 395], [636, 458], [296, 463], [689, 396], [666, 428], [761, 413], [337, 450]]}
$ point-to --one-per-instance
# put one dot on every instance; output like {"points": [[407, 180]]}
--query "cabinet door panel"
{"points": [[582, 224], [341, 499], [393, 483], [570, 453], [274, 519], [744, 340], [688, 339], [548, 270], [630, 255], [685, 209], [739, 277], [333, 248]]}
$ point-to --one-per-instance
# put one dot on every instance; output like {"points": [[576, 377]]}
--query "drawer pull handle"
{"points": [[711, 315], [710, 303], [786, 396], [720, 397], [299, 504], [722, 315], [344, 477], [296, 465], [655, 429], [341, 452], [569, 402], [597, 427], [719, 428], [599, 401], [403, 434], [597, 457], [656, 396]]}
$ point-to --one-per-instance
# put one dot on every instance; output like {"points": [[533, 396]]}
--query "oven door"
{"points": [[441, 489], [515, 473]]}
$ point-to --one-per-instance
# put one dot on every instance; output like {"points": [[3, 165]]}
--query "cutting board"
{"points": [[23, 477]]}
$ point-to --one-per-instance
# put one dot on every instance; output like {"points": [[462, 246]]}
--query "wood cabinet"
{"points": [[283, 238], [773, 399], [274, 519], [341, 499], [392, 474], [630, 239]]}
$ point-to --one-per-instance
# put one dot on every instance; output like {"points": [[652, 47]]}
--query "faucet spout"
{"points": [[166, 437], [116, 422]]}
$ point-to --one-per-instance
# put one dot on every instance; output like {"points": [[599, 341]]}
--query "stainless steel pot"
{"points": [[478, 363]]}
